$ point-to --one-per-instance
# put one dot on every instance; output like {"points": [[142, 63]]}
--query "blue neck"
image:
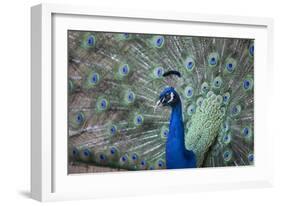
{"points": [[176, 112], [177, 156], [176, 122]]}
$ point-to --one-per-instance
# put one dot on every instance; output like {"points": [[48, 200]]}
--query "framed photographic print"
{"points": [[121, 99]]}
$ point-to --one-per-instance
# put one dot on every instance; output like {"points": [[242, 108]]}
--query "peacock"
{"points": [[152, 101]]}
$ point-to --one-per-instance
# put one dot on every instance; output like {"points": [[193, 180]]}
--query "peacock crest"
{"points": [[115, 80]]}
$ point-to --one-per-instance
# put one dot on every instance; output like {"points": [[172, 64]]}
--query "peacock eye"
{"points": [[213, 59], [190, 109], [251, 158], [227, 155], [204, 87], [217, 82], [226, 97], [75, 151], [251, 50], [248, 84], [199, 101], [138, 120], [124, 158], [88, 41], [230, 65], [86, 153], [103, 103], [126, 35], [158, 41], [158, 72], [131, 96], [80, 118], [124, 70], [93, 79], [164, 132], [225, 126], [91, 41], [235, 110], [151, 168], [112, 151], [189, 63], [134, 157], [188, 92], [102, 157], [160, 163], [227, 138], [246, 132], [113, 130]]}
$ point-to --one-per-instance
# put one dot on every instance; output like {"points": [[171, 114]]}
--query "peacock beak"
{"points": [[158, 103]]}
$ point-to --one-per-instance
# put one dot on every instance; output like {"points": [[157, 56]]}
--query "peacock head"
{"points": [[168, 97]]}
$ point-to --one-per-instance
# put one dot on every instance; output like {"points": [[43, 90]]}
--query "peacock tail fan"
{"points": [[114, 80]]}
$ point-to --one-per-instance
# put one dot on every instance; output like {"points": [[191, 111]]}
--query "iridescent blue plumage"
{"points": [[177, 156]]}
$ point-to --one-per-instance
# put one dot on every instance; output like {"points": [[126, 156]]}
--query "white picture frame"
{"points": [[49, 179]]}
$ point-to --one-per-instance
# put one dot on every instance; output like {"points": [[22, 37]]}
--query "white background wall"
{"points": [[15, 101]]}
